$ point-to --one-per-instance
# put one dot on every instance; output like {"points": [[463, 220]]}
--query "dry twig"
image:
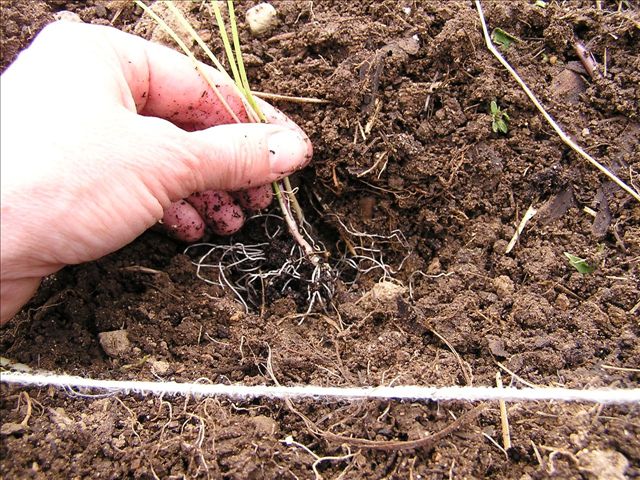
{"points": [[528, 215], [504, 419]]}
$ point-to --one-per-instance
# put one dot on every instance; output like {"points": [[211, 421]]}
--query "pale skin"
{"points": [[104, 135]]}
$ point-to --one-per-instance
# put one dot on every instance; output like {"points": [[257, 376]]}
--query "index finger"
{"points": [[165, 83]]}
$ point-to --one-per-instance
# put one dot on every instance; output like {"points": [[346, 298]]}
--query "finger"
{"points": [[183, 222], [142, 76], [15, 294], [219, 210], [175, 163], [255, 199], [247, 155], [177, 92], [167, 85]]}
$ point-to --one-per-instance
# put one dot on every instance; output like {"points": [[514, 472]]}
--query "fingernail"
{"points": [[288, 151]]}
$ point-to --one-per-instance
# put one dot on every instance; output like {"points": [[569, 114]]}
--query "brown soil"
{"points": [[431, 168]]}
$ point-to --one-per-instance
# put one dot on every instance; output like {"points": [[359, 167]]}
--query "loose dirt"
{"points": [[404, 150]]}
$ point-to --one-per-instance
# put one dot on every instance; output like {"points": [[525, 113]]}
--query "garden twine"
{"points": [[405, 392]]}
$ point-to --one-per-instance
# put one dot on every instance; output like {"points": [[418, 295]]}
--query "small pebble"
{"points": [[101, 11], [497, 346], [265, 426], [562, 302], [11, 428], [160, 367], [434, 267], [504, 286], [261, 18], [67, 16], [387, 291], [603, 464], [115, 343]]}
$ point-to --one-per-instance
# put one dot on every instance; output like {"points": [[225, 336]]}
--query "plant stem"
{"points": [[185, 23], [288, 98], [187, 26], [243, 73], [185, 49], [294, 201], [293, 227], [227, 46]]}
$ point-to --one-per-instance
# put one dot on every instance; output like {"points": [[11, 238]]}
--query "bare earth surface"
{"points": [[404, 153]]}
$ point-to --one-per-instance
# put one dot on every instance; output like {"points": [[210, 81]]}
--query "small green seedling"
{"points": [[499, 119], [502, 38], [541, 4], [580, 264]]}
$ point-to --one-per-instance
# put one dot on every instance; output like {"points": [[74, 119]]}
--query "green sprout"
{"points": [[499, 119], [580, 264], [503, 38]]}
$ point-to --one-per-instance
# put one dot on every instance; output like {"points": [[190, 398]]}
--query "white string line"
{"points": [[408, 392]]}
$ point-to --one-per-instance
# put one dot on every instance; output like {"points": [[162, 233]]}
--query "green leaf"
{"points": [[494, 126], [502, 126], [494, 108], [502, 38], [580, 264]]}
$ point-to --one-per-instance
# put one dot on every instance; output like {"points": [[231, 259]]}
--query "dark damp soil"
{"points": [[405, 153]]}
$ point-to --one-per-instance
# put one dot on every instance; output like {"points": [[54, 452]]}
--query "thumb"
{"points": [[237, 156]]}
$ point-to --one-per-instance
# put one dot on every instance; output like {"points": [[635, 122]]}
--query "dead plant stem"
{"points": [[504, 418]]}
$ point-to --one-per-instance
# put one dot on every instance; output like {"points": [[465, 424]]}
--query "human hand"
{"points": [[104, 134]]}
